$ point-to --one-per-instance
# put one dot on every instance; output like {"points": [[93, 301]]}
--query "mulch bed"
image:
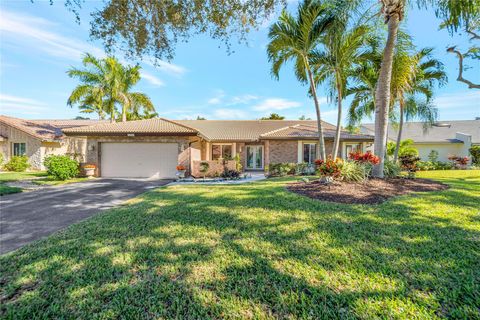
{"points": [[372, 191]]}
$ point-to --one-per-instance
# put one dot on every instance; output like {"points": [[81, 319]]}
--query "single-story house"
{"points": [[39, 138], [154, 147], [448, 138]]}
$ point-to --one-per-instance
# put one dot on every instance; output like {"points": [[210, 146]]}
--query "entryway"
{"points": [[255, 157]]}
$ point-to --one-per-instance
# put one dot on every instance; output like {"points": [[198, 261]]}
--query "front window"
{"points": [[223, 151], [353, 148], [19, 149], [309, 152]]}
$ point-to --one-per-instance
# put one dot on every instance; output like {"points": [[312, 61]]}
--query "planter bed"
{"points": [[372, 191]]}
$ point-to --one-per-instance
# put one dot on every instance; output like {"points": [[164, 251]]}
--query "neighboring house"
{"points": [[447, 137], [153, 148], [39, 138]]}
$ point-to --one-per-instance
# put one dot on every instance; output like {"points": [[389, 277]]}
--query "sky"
{"points": [[39, 42]]}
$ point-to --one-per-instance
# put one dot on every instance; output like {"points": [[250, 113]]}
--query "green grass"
{"points": [[52, 182], [257, 251], [15, 176], [8, 190]]}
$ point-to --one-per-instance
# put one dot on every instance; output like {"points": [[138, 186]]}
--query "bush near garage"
{"points": [[17, 164], [61, 167]]}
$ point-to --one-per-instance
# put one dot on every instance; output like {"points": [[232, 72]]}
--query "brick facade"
{"points": [[283, 151]]}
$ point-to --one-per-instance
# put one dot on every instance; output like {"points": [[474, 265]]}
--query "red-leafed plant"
{"points": [[364, 157], [180, 168], [459, 161], [329, 167]]}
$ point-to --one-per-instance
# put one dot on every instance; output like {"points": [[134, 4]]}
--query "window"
{"points": [[309, 152], [353, 148], [223, 151], [19, 149]]}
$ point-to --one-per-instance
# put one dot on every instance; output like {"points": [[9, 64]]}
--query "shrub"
{"points": [[304, 169], [366, 157], [409, 163], [355, 171], [329, 167], [475, 153], [61, 167], [406, 148], [1, 159], [433, 156], [459, 162], [281, 169], [17, 164], [231, 174], [391, 169]]}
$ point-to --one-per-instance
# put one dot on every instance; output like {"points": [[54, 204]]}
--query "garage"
{"points": [[139, 160]]}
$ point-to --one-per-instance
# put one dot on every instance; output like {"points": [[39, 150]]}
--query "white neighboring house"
{"points": [[447, 137]]}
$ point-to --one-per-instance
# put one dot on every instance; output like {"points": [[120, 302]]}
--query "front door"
{"points": [[255, 157]]}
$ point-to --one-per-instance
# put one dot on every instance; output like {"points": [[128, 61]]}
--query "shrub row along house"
{"points": [[448, 138], [153, 148]]}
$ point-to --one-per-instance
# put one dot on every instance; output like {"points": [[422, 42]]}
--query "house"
{"points": [[39, 138], [448, 138], [154, 147]]}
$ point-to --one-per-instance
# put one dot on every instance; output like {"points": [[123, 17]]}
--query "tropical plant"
{"points": [[415, 75], [433, 155], [454, 13], [406, 148], [391, 169], [296, 39], [367, 157], [355, 171], [204, 166], [329, 167], [106, 83], [335, 64]]}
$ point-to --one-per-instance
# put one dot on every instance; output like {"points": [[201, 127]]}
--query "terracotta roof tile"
{"points": [[153, 126], [46, 130], [310, 131], [242, 130]]}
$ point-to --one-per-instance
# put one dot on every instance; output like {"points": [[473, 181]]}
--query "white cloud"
{"points": [[243, 99], [225, 113], [37, 31], [21, 105], [459, 100], [173, 69], [152, 79], [273, 104], [218, 98]]}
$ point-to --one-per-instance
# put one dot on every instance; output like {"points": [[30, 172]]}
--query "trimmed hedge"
{"points": [[17, 164], [61, 167]]}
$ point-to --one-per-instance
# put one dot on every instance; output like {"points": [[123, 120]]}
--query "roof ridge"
{"points": [[279, 129], [178, 124]]}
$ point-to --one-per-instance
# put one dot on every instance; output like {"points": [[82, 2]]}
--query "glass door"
{"points": [[255, 157]]}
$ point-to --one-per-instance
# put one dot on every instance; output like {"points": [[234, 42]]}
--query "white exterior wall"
{"points": [[444, 150]]}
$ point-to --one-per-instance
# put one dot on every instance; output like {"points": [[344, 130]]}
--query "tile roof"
{"points": [[242, 130], [154, 126], [309, 131], [45, 130], [441, 132]]}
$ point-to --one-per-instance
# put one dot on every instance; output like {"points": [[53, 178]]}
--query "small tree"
{"points": [[204, 166], [433, 156]]}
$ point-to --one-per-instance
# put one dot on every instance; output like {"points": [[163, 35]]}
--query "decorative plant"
{"points": [[204, 166], [89, 166], [433, 156], [366, 157], [328, 168], [231, 174], [238, 162], [459, 162], [409, 163], [181, 168], [355, 171]]}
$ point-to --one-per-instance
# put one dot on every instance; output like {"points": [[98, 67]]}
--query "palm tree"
{"points": [[416, 75], [296, 39], [335, 64], [455, 14], [105, 84]]}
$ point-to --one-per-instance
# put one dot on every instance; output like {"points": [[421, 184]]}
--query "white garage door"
{"points": [[139, 160]]}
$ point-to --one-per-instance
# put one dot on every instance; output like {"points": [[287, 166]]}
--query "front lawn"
{"points": [[257, 251], [51, 181], [15, 176]]}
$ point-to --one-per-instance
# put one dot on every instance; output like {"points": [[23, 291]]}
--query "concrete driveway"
{"points": [[26, 217]]}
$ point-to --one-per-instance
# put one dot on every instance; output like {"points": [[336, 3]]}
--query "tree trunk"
{"points": [[382, 96], [321, 141], [336, 143], [399, 137], [124, 114]]}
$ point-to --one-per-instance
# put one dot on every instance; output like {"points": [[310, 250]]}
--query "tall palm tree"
{"points": [[455, 14], [417, 76], [296, 39], [336, 62], [106, 83]]}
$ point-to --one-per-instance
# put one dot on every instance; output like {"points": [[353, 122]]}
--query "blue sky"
{"points": [[39, 42]]}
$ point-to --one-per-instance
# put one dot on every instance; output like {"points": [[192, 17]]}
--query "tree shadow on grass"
{"points": [[250, 251]]}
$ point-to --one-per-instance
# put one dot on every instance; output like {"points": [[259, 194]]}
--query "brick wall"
{"points": [[215, 168], [282, 151]]}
